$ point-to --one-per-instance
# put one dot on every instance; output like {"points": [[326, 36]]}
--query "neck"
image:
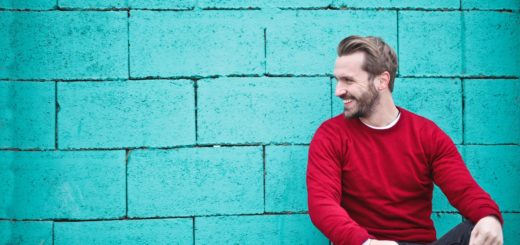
{"points": [[383, 112]]}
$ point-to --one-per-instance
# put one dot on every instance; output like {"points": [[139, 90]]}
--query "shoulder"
{"points": [[336, 126], [419, 122]]}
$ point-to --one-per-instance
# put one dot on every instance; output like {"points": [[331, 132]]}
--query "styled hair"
{"points": [[379, 57]]}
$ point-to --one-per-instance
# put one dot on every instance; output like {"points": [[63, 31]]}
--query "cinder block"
{"points": [[257, 229], [27, 115], [62, 185], [440, 202], [25, 232], [511, 227], [285, 189], [187, 43], [305, 42], [491, 41], [156, 113], [28, 4], [96, 4], [249, 110], [232, 4], [161, 4], [163, 231], [429, 43], [444, 222], [438, 99], [195, 181], [491, 111], [495, 168], [421, 4], [63, 45], [484, 4]]}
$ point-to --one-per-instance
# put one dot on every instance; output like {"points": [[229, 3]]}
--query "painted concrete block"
{"points": [[491, 112], [71, 185], [28, 4], [96, 4], [163, 231], [496, 170], [438, 99], [484, 4], [249, 110], [305, 42], [25, 232], [491, 41], [195, 181], [161, 4], [156, 113], [186, 43], [422, 4], [511, 228], [257, 229], [444, 222], [440, 202], [27, 115], [285, 188], [63, 45], [429, 43]]}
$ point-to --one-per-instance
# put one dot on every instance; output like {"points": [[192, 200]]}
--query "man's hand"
{"points": [[487, 231], [382, 242]]}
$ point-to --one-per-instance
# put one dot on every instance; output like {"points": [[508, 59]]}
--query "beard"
{"points": [[364, 103]]}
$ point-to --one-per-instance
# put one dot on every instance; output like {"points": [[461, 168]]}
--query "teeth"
{"points": [[347, 101]]}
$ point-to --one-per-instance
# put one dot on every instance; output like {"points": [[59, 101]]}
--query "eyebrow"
{"points": [[348, 78]]}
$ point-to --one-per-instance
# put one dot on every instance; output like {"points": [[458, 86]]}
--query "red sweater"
{"points": [[367, 183]]}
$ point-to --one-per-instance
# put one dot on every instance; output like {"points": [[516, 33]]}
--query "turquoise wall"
{"points": [[188, 122]]}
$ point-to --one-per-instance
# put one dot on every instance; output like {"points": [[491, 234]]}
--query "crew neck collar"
{"points": [[394, 122]]}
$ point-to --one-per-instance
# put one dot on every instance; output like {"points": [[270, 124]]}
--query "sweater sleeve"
{"points": [[453, 177], [324, 193]]}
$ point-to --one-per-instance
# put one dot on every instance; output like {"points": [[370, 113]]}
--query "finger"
{"points": [[485, 239], [478, 240], [473, 237]]}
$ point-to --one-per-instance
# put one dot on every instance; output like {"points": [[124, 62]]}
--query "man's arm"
{"points": [[451, 174], [324, 192]]}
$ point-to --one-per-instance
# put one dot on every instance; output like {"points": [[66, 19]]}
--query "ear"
{"points": [[383, 80]]}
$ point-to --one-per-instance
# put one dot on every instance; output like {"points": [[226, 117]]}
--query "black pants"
{"points": [[457, 236]]}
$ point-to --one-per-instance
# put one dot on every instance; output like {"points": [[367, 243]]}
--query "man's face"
{"points": [[359, 95]]}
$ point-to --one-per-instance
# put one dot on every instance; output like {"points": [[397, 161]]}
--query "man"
{"points": [[371, 170]]}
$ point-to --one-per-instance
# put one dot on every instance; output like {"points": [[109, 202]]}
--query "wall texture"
{"points": [[188, 122]]}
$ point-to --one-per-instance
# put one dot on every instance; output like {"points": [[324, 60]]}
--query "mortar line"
{"points": [[245, 76], [56, 111], [128, 42], [127, 154], [463, 128], [331, 81], [170, 217], [264, 173], [195, 88], [203, 146], [398, 52], [69, 9], [193, 230]]}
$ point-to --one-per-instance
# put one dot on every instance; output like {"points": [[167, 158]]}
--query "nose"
{"points": [[341, 90]]}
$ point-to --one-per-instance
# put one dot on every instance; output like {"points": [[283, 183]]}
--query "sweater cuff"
{"points": [[483, 212], [361, 238]]}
